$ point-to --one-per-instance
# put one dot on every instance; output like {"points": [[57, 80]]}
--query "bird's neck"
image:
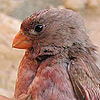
{"points": [[32, 61], [66, 52]]}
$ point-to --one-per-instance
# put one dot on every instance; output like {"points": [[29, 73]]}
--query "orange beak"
{"points": [[21, 41]]}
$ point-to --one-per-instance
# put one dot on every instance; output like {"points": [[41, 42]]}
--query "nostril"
{"points": [[31, 49], [45, 51]]}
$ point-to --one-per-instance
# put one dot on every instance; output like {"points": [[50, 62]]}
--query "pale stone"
{"points": [[61, 7], [92, 3], [9, 58], [6, 93], [75, 4], [8, 5]]}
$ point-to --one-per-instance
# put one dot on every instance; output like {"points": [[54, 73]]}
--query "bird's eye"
{"points": [[38, 28]]}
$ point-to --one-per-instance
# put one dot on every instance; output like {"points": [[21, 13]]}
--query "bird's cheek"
{"points": [[21, 41]]}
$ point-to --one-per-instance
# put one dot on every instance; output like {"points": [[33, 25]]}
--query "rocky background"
{"points": [[12, 12]]}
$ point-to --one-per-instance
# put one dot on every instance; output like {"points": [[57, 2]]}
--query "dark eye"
{"points": [[38, 28]]}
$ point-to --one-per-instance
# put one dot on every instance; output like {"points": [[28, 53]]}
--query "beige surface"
{"points": [[4, 98], [81, 4], [9, 58], [8, 5], [75, 4]]}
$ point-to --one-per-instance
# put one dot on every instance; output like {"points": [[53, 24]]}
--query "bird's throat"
{"points": [[40, 59]]}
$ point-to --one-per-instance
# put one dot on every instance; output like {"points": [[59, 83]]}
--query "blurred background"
{"points": [[12, 12]]}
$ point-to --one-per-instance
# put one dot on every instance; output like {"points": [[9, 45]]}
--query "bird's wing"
{"points": [[85, 78]]}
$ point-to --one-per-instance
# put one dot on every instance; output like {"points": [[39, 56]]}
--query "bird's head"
{"points": [[51, 29]]}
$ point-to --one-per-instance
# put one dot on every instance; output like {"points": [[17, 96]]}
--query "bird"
{"points": [[60, 59]]}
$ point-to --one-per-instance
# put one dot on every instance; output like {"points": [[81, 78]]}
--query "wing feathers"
{"points": [[85, 85]]}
